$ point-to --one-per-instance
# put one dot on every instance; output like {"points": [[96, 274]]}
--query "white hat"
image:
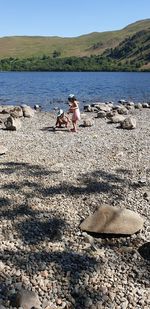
{"points": [[71, 96], [60, 112]]}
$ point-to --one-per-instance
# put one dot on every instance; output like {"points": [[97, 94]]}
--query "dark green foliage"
{"points": [[43, 63], [56, 54], [137, 46]]}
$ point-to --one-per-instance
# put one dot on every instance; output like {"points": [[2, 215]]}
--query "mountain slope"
{"points": [[91, 44], [134, 48]]}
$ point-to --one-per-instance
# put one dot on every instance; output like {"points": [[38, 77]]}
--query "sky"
{"points": [[68, 18]]}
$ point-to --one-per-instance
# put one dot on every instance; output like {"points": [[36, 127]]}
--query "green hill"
{"points": [[86, 45], [123, 50], [133, 50]]}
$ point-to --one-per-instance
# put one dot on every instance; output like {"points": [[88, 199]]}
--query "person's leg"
{"points": [[64, 121], [75, 126], [67, 122], [59, 123], [74, 129]]}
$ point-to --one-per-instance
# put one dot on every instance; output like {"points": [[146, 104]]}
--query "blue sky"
{"points": [[68, 18]]}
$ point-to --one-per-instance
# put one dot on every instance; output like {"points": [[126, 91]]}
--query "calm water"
{"points": [[51, 89]]}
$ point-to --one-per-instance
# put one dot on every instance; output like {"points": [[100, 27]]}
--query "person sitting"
{"points": [[62, 119]]}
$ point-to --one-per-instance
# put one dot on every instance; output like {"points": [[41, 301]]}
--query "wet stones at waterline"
{"points": [[27, 111]]}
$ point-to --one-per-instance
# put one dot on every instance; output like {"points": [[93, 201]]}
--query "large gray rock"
{"points": [[122, 110], [12, 124], [117, 118], [87, 108], [27, 111], [128, 123], [138, 106], [27, 299], [101, 114], [16, 112], [113, 220], [130, 103], [145, 105], [103, 107], [88, 122], [6, 108], [3, 117]]}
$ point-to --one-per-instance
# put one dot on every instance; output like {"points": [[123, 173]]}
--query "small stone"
{"points": [[146, 195], [58, 301], [18, 273]]}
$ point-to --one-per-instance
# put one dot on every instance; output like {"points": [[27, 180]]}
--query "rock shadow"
{"points": [[68, 265], [34, 231], [144, 251]]}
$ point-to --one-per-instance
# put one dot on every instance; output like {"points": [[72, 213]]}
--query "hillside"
{"points": [[134, 49], [86, 45]]}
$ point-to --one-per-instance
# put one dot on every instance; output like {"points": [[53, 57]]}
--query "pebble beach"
{"points": [[51, 181]]}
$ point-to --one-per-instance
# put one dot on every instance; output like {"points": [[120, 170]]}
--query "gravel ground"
{"points": [[50, 181]]}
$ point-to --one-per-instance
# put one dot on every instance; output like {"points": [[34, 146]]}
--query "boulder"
{"points": [[103, 107], [145, 105], [110, 114], [138, 106], [6, 108], [87, 108], [26, 299], [130, 107], [130, 103], [16, 112], [88, 122], [96, 104], [122, 101], [101, 114], [122, 110], [3, 117], [12, 124], [128, 123], [113, 220], [27, 111], [117, 106], [116, 118], [110, 104]]}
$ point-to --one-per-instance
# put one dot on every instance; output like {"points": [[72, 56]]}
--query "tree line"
{"points": [[47, 63]]}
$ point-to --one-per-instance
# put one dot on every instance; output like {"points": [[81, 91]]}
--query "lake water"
{"points": [[51, 89]]}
